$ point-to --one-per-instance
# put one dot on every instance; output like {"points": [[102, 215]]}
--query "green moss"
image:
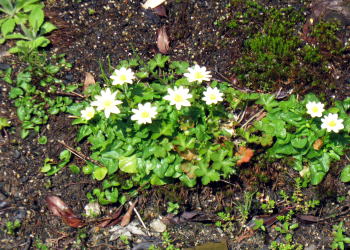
{"points": [[274, 54]]}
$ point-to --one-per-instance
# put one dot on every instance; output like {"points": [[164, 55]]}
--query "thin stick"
{"points": [[79, 154], [138, 216], [234, 85], [73, 94], [251, 118]]}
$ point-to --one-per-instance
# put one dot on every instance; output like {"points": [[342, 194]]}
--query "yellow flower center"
{"points": [[123, 78], [198, 75], [314, 109], [178, 98], [212, 97], [107, 103], [332, 124], [90, 114], [145, 114]]}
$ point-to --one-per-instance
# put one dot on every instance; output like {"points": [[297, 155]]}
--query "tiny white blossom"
{"points": [[315, 109], [122, 75], [178, 97], [331, 122], [107, 102], [212, 96], [92, 209], [144, 113], [88, 113], [197, 73]]}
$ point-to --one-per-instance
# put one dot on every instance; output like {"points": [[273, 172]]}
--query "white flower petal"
{"points": [[331, 123], [197, 73], [315, 109]]}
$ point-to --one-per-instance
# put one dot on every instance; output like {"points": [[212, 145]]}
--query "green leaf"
{"points": [[345, 174], [21, 113], [7, 27], [317, 174], [39, 42], [15, 92], [268, 101], [36, 18], [74, 169], [299, 142], [46, 28], [180, 67], [100, 173], [128, 164], [65, 155], [42, 140], [155, 180], [188, 181]]}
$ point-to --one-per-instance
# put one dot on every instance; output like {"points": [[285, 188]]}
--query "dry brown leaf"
{"points": [[245, 153], [89, 80], [160, 10], [127, 215], [113, 219], [318, 144], [59, 208], [150, 4], [163, 40]]}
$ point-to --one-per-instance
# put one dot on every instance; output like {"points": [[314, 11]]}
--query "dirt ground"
{"points": [[121, 29]]}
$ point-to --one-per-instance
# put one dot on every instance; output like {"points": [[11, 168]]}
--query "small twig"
{"points": [[242, 115], [79, 154], [139, 217], [73, 116], [73, 94], [56, 241], [234, 85], [251, 118]]}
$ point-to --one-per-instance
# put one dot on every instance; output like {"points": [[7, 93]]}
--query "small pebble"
{"points": [[158, 226]]}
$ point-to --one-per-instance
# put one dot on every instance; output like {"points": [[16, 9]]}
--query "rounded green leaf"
{"points": [[128, 164], [299, 142], [100, 173]]}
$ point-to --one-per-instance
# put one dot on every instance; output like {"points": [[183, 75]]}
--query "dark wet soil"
{"points": [[120, 30]]}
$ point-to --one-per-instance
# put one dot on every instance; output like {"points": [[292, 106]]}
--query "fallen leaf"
{"points": [[59, 208], [152, 4], [317, 144], [163, 40], [112, 219], [89, 80], [160, 10], [308, 218], [127, 216], [188, 216], [245, 153]]}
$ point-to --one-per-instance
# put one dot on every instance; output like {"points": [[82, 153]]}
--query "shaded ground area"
{"points": [[120, 30]]}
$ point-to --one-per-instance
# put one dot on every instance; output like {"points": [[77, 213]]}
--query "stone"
{"points": [[158, 226]]}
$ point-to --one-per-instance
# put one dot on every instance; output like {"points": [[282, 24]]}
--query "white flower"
{"points": [[107, 102], [88, 113], [92, 209], [212, 96], [178, 97], [315, 109], [144, 113], [331, 122], [122, 75], [197, 73]]}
